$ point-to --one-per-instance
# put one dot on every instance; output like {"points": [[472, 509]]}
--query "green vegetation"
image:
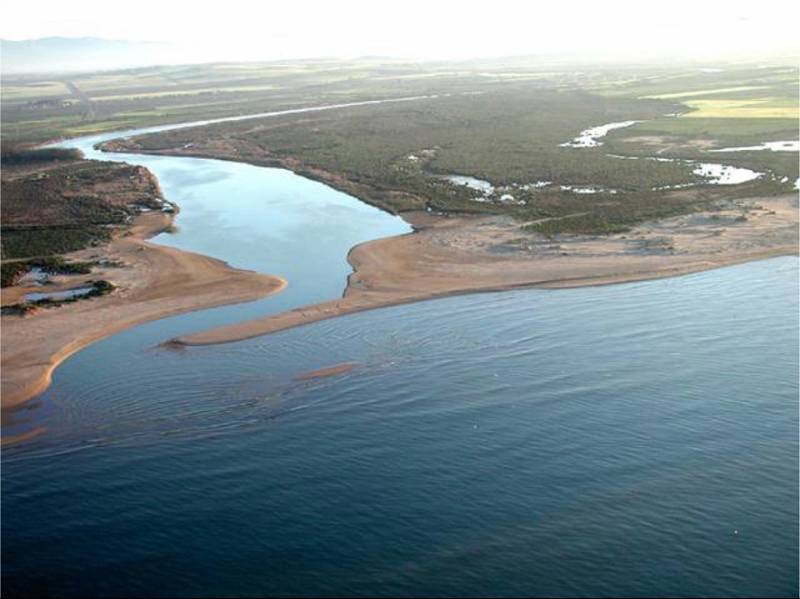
{"points": [[501, 121], [54, 203], [578, 224], [12, 271], [397, 155], [14, 155], [98, 288], [603, 214], [729, 108], [510, 137], [690, 139], [734, 131], [21, 243]]}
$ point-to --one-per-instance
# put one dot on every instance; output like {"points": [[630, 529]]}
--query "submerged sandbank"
{"points": [[326, 372], [156, 281]]}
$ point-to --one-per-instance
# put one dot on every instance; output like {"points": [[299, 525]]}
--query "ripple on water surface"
{"points": [[628, 439]]}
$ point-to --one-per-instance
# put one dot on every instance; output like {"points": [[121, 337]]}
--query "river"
{"points": [[630, 439]]}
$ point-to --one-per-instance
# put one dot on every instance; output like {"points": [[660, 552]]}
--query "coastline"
{"points": [[443, 256], [156, 281], [463, 254], [459, 255]]}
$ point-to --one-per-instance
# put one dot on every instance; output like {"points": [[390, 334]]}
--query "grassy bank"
{"points": [[501, 121], [54, 203], [398, 156]]}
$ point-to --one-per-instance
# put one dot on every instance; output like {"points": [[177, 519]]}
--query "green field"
{"points": [[510, 135], [159, 95], [37, 108], [502, 121]]}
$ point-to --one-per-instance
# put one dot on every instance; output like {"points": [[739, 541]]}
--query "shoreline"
{"points": [[306, 315], [449, 256], [420, 265], [157, 281], [444, 256]]}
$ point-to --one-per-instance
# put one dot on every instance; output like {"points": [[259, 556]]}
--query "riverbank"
{"points": [[154, 281], [458, 255], [447, 255]]}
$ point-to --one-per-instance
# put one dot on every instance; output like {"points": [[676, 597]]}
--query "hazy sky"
{"points": [[425, 29]]}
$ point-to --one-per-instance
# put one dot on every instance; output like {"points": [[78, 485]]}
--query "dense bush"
{"points": [[12, 271], [13, 155], [69, 206], [98, 288], [25, 243]]}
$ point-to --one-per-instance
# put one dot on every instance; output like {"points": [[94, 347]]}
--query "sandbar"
{"points": [[155, 281], [457, 255]]}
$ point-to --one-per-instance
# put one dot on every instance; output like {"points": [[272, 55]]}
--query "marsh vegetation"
{"points": [[517, 141], [54, 203], [512, 124]]}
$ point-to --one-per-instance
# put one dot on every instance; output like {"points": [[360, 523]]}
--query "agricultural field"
{"points": [[766, 110], [37, 109]]}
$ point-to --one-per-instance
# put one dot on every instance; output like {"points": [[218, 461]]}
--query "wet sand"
{"points": [[444, 256], [155, 281], [460, 255], [326, 372]]}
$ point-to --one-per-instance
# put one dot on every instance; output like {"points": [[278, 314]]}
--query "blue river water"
{"points": [[636, 439]]}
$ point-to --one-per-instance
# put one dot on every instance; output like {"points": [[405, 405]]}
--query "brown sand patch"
{"points": [[459, 255], [326, 372], [156, 281]]}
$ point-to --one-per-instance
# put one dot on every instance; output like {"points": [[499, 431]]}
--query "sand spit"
{"points": [[460, 255], [155, 281]]}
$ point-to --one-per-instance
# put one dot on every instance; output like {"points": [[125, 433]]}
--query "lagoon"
{"points": [[629, 439]]}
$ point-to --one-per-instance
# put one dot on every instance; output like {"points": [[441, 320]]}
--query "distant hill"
{"points": [[64, 54]]}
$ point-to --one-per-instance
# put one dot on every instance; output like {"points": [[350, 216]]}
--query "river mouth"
{"points": [[485, 444], [283, 224], [267, 220], [227, 201], [503, 435]]}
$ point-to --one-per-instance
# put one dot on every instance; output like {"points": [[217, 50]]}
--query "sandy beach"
{"points": [[155, 281], [445, 255], [455, 254], [459, 255]]}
